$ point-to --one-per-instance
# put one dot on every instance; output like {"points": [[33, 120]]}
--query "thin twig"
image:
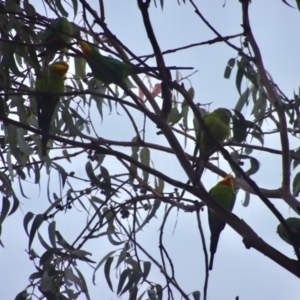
{"points": [[205, 254]]}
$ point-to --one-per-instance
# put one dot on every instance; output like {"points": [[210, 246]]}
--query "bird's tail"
{"points": [[211, 261], [44, 145], [45, 127], [213, 249]]}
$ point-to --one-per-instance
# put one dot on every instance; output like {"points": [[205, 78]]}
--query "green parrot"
{"points": [[51, 81], [107, 69], [294, 224], [218, 124], [58, 36], [222, 192]]}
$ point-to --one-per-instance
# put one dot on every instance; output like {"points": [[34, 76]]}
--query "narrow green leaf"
{"points": [[133, 167], [248, 151], [62, 173], [239, 77], [22, 296], [51, 233], [229, 67], [159, 291], [29, 9], [133, 293], [258, 136], [162, 4], [122, 256], [159, 187], [21, 188], [110, 232], [83, 284], [14, 68], [97, 200], [75, 6], [35, 275], [61, 241], [67, 118], [82, 255], [135, 149], [12, 139], [184, 113], [254, 164], [52, 206], [9, 164], [38, 220], [107, 271], [21, 174], [296, 162], [133, 280], [196, 295], [246, 200], [49, 254], [36, 171], [243, 99], [191, 93], [147, 267], [152, 213], [22, 142], [106, 184], [174, 116], [4, 209], [145, 159], [152, 294], [43, 242], [285, 2], [296, 185], [90, 173], [259, 105], [100, 158], [240, 128], [61, 8], [16, 204], [26, 221], [100, 263], [125, 274], [80, 64], [142, 295], [96, 87]]}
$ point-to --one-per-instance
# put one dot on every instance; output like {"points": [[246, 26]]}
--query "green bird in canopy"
{"points": [[218, 125], [57, 36], [107, 69], [294, 224], [50, 84], [223, 193]]}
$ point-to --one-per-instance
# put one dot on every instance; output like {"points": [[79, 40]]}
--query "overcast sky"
{"points": [[237, 271]]}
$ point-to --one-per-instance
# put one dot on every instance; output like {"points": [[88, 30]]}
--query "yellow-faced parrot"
{"points": [[218, 125], [294, 224], [107, 69], [58, 36], [223, 193], [50, 83]]}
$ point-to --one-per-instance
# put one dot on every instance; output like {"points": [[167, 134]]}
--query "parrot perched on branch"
{"points": [[218, 125], [223, 193], [58, 36], [49, 84], [110, 70], [294, 224]]}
